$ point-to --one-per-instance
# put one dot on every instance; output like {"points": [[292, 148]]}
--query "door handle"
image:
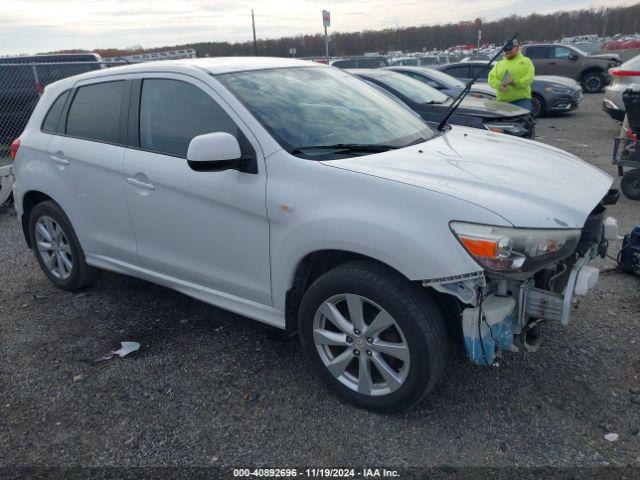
{"points": [[137, 183], [58, 160]]}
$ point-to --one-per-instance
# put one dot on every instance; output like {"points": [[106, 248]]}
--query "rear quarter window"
{"points": [[52, 119]]}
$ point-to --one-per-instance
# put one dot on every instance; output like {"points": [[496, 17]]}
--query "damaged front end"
{"points": [[529, 276]]}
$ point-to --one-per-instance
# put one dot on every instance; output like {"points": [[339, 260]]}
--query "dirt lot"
{"points": [[210, 388]]}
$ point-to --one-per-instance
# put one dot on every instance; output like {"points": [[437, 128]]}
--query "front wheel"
{"points": [[592, 82], [537, 106], [630, 184], [373, 336]]}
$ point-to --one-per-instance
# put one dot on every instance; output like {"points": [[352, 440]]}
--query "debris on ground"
{"points": [[125, 349], [612, 437]]}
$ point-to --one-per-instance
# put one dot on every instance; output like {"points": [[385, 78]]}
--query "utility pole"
{"points": [[255, 44], [326, 21], [606, 17]]}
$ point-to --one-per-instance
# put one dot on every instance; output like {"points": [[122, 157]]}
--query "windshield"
{"points": [[306, 107], [414, 90]]}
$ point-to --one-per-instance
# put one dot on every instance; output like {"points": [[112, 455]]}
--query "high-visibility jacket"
{"points": [[522, 72]]}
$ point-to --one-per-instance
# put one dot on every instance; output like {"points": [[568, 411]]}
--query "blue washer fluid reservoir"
{"points": [[483, 337]]}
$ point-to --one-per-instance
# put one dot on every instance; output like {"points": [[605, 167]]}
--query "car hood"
{"points": [[527, 183], [483, 107], [606, 56], [564, 81]]}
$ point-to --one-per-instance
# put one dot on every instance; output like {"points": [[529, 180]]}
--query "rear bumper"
{"points": [[613, 110]]}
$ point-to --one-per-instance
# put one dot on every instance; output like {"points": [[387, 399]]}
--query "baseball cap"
{"points": [[511, 44]]}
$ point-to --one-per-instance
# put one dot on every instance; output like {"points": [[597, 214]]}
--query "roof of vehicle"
{"points": [[410, 68], [215, 66]]}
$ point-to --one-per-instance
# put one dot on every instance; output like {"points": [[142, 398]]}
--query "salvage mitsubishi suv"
{"points": [[298, 195]]}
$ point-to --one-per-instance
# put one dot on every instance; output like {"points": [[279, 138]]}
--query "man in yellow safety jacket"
{"points": [[511, 77]]}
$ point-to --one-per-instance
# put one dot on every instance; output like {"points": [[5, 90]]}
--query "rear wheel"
{"points": [[373, 336], [57, 248], [538, 108], [630, 184], [592, 82]]}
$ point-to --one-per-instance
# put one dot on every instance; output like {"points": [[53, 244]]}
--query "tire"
{"points": [[539, 108], [416, 328], [59, 254], [630, 184], [592, 82]]}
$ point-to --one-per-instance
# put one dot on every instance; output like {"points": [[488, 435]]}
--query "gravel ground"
{"points": [[210, 388]]}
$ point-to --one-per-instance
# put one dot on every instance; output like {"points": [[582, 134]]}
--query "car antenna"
{"points": [[467, 88]]}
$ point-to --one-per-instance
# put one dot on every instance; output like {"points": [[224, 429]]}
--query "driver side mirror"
{"points": [[573, 57], [214, 152]]}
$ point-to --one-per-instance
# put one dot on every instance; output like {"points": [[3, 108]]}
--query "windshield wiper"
{"points": [[456, 103], [350, 147]]}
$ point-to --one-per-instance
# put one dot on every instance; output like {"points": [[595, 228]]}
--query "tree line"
{"points": [[534, 27]]}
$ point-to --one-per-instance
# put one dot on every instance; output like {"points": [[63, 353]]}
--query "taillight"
{"points": [[625, 73], [39, 88], [14, 148]]}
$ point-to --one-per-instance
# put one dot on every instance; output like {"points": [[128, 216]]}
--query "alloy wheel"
{"points": [[361, 345], [53, 247]]}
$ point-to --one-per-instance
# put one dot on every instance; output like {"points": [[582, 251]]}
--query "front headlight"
{"points": [[509, 128], [515, 250], [557, 90]]}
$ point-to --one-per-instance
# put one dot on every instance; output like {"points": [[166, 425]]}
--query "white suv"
{"points": [[298, 195]]}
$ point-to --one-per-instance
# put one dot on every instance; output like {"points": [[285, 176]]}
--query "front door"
{"points": [[208, 228]]}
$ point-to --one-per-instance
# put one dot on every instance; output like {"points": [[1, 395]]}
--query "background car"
{"points": [[548, 93], [433, 105], [624, 77], [419, 61], [568, 61], [361, 62], [444, 82], [22, 80]]}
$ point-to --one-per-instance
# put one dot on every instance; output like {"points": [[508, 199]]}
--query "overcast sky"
{"points": [[32, 26]]}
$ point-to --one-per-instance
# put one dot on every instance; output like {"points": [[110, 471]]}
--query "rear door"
{"points": [[543, 58], [208, 228], [87, 152]]}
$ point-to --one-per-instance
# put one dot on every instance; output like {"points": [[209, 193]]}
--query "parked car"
{"points": [[361, 62], [549, 94], [433, 105], [22, 80], [300, 196], [444, 82], [627, 76], [590, 70]]}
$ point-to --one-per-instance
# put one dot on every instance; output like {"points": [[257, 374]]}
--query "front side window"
{"points": [[173, 112], [95, 112], [317, 106], [458, 72], [562, 53], [50, 123]]}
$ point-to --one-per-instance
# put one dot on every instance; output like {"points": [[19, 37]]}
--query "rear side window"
{"points": [[95, 112], [538, 52], [50, 124], [173, 112], [482, 71]]}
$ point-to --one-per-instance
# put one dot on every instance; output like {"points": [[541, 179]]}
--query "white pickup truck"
{"points": [[300, 196]]}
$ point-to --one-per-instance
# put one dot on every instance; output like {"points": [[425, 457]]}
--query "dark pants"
{"points": [[524, 103]]}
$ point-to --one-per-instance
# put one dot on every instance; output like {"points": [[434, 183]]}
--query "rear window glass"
{"points": [[50, 124], [95, 112], [458, 72]]}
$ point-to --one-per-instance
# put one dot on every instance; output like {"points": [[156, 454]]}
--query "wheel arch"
{"points": [[315, 264], [29, 201]]}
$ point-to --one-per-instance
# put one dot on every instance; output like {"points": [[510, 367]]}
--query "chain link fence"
{"points": [[22, 84]]}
